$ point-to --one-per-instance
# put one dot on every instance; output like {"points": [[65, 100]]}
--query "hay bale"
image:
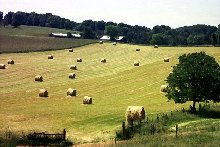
{"points": [[87, 100], [134, 113], [137, 49], [50, 56], [163, 88], [103, 60], [73, 67], [10, 61], [43, 93], [38, 78], [114, 43], [100, 42], [166, 60], [71, 92], [72, 75], [71, 50], [155, 46], [136, 63], [79, 60], [2, 66]]}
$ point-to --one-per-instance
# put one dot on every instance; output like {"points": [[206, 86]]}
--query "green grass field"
{"points": [[29, 38], [113, 86]]}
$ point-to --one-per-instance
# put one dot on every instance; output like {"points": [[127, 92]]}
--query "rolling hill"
{"points": [[113, 85], [31, 38]]}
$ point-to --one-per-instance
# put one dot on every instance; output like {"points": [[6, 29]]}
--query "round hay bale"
{"points": [[73, 67], [134, 113], [114, 43], [2, 66], [101, 42], [72, 75], [79, 60], [38, 78], [155, 46], [71, 50], [10, 61], [163, 88], [137, 49], [103, 60], [87, 100], [136, 63], [71, 92], [43, 93], [50, 57], [166, 60]]}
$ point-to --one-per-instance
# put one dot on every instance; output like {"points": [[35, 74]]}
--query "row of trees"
{"points": [[34, 19], [161, 35]]}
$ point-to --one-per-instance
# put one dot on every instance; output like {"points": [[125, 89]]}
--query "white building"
{"points": [[61, 35], [105, 37]]}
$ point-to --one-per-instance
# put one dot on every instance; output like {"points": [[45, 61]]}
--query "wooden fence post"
{"points": [[6, 134], [123, 128], [151, 130], [64, 134], [140, 127], [132, 125], [176, 130], [183, 110], [154, 129], [171, 113]]}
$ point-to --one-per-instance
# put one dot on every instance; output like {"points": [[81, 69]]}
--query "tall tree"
{"points": [[42, 20], [214, 39], [68, 25], [111, 31], [1, 16], [88, 33], [16, 19], [218, 34], [160, 29], [8, 18], [161, 39], [100, 25], [196, 78]]}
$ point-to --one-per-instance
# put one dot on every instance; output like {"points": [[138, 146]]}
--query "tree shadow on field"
{"points": [[210, 114]]}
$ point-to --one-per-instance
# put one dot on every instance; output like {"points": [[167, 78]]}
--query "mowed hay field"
{"points": [[113, 85]]}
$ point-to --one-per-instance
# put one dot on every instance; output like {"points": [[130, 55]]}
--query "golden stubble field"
{"points": [[113, 85]]}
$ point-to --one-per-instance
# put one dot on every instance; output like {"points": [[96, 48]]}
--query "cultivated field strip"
{"points": [[113, 85]]}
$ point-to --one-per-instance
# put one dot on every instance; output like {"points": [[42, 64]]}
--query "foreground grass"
{"points": [[193, 130], [113, 86], [28, 39]]}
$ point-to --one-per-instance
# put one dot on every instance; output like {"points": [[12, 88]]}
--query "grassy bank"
{"points": [[28, 39]]}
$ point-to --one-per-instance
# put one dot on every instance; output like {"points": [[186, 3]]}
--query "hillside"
{"points": [[30, 38], [113, 86]]}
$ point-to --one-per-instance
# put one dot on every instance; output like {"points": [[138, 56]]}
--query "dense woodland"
{"points": [[199, 34]]}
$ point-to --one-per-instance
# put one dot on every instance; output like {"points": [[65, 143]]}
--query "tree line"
{"points": [[199, 34]]}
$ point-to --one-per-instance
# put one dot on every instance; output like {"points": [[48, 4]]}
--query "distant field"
{"points": [[27, 39], [113, 86]]}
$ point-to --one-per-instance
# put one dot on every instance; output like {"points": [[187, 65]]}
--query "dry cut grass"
{"points": [[113, 86]]}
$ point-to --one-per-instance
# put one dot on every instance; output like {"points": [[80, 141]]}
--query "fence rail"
{"points": [[35, 138]]}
